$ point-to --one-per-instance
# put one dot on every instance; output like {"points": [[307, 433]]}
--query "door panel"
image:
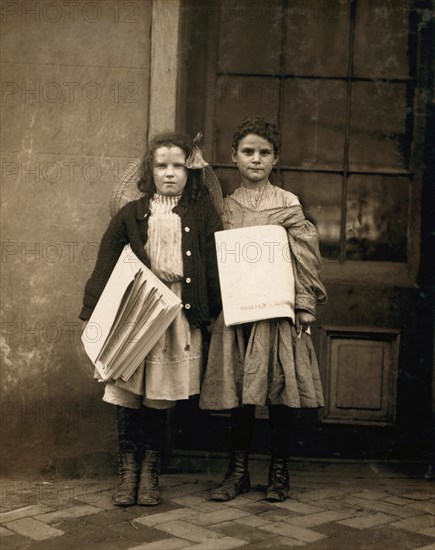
{"points": [[360, 375]]}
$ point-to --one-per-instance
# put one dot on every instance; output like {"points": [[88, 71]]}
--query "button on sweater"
{"points": [[201, 280]]}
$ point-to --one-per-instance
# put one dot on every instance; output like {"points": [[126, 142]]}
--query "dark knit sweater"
{"points": [[201, 291]]}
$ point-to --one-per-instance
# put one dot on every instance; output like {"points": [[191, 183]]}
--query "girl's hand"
{"points": [[303, 320]]}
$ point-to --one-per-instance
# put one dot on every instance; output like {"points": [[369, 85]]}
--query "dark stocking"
{"points": [[242, 428], [155, 428], [280, 422], [280, 419], [129, 422]]}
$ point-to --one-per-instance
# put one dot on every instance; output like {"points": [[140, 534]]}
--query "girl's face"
{"points": [[169, 172], [255, 158]]}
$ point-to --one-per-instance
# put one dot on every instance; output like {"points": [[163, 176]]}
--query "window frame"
{"points": [[203, 101]]}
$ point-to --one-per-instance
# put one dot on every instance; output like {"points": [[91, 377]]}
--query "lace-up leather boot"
{"points": [[148, 493], [278, 484], [125, 494], [236, 480]]}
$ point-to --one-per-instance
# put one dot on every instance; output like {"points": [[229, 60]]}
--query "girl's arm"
{"points": [[111, 246], [304, 245], [213, 223]]}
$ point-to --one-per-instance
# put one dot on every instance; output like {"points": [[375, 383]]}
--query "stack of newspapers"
{"points": [[133, 312]]}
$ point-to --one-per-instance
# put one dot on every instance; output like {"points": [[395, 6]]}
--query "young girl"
{"points": [[276, 350], [171, 230]]}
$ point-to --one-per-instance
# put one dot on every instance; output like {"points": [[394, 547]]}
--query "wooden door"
{"points": [[347, 84]]}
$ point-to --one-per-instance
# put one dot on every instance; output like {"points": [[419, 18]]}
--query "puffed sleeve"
{"points": [[304, 245]]}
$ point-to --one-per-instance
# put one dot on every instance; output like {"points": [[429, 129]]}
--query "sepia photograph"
{"points": [[217, 274]]}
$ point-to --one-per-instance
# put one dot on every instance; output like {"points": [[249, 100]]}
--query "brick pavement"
{"points": [[332, 506]]}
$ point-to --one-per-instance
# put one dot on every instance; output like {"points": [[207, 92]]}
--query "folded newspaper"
{"points": [[133, 312], [256, 274]]}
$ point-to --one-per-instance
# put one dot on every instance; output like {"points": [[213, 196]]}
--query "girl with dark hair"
{"points": [[270, 362], [171, 230]]}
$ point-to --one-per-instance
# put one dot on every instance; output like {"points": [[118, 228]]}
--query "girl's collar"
{"points": [[259, 188], [143, 206], [166, 199]]}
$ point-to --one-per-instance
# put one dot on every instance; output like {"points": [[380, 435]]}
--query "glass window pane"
{"points": [[381, 39], [377, 218], [313, 123], [320, 196], [250, 36], [378, 126], [317, 38], [236, 99]]}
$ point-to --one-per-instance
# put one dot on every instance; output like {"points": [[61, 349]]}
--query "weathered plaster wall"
{"points": [[75, 101]]}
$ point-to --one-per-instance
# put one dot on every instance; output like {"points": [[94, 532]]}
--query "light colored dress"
{"points": [[273, 366], [172, 369]]}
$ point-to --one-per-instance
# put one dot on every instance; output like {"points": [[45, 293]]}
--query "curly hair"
{"points": [[261, 127], [194, 188]]}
